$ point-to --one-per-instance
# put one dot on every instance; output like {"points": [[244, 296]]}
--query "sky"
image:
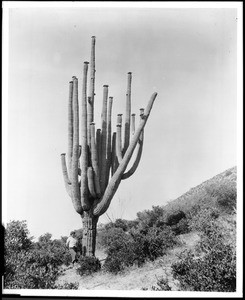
{"points": [[187, 55]]}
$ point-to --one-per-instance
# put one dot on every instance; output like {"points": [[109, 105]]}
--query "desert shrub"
{"points": [[181, 227], [177, 220], [211, 266], [119, 223], [17, 237], [162, 285], [125, 249], [203, 218], [228, 173], [119, 249], [174, 218], [58, 252], [149, 218], [67, 286], [157, 241], [31, 265], [216, 271], [117, 262], [88, 265], [225, 193], [31, 270]]}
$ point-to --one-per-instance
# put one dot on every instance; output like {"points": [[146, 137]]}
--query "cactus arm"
{"points": [[128, 114], [70, 126], [119, 138], [119, 143], [65, 174], [98, 147], [131, 171], [94, 160], [91, 89], [114, 160], [84, 154], [139, 149], [104, 203], [91, 186], [103, 138], [132, 124], [108, 143], [75, 156], [89, 120]]}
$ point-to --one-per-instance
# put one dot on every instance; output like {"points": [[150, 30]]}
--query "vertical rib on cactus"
{"points": [[114, 160], [88, 179], [94, 159], [89, 233], [103, 138], [84, 155], [70, 126], [119, 138], [108, 142], [98, 147], [128, 114], [91, 89]]}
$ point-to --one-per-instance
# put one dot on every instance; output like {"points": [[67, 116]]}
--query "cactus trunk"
{"points": [[97, 165], [89, 233]]}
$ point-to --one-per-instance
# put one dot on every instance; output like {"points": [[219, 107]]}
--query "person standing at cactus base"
{"points": [[71, 243]]}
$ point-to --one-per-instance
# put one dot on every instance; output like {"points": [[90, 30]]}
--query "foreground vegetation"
{"points": [[208, 210]]}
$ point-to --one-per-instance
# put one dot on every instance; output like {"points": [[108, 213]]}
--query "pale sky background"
{"points": [[188, 56]]}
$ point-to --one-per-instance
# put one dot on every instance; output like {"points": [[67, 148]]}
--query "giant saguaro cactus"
{"points": [[97, 159]]}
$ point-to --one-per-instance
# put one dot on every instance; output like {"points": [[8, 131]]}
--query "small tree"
{"points": [[97, 163]]}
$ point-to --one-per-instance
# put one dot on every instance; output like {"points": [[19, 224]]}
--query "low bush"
{"points": [[149, 218], [215, 271], [158, 240], [203, 218], [119, 247], [162, 285], [211, 266], [28, 264], [88, 265], [67, 286], [135, 247], [181, 227], [58, 252], [173, 218], [225, 193], [30, 270]]}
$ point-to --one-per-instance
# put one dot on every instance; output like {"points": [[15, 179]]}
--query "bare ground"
{"points": [[133, 278]]}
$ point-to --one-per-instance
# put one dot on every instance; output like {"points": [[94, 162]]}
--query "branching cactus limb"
{"points": [[104, 203], [98, 158]]}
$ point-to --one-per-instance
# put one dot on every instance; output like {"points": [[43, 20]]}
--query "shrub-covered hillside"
{"points": [[198, 194], [188, 245], [208, 210]]}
